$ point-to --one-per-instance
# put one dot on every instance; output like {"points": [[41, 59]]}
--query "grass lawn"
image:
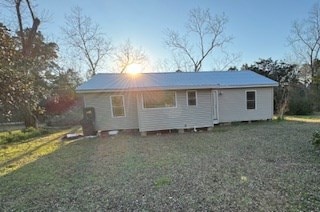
{"points": [[17, 154], [304, 118], [267, 166]]}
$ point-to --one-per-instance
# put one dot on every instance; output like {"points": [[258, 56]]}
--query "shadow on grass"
{"points": [[50, 180], [16, 155], [15, 159]]}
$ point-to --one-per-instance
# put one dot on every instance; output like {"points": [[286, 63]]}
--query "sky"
{"points": [[260, 28]]}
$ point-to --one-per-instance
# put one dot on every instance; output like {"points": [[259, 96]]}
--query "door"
{"points": [[88, 121], [215, 115]]}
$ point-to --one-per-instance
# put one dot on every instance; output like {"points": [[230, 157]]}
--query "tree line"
{"points": [[34, 82]]}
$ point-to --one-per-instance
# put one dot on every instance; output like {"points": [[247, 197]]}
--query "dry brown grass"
{"points": [[268, 166]]}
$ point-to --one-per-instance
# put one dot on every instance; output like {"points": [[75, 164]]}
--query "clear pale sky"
{"points": [[260, 27]]}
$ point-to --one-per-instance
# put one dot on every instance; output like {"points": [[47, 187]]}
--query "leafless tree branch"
{"points": [[86, 38], [228, 60], [305, 38], [126, 55], [208, 31], [26, 40]]}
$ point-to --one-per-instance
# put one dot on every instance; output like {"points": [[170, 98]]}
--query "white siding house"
{"points": [[177, 100]]}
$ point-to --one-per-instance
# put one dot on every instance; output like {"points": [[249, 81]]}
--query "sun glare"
{"points": [[134, 68]]}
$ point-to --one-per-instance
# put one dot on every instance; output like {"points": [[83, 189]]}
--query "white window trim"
{"points": [[255, 99], [124, 106], [188, 98], [159, 108]]}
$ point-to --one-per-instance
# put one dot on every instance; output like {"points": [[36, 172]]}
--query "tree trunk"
{"points": [[283, 103], [30, 120]]}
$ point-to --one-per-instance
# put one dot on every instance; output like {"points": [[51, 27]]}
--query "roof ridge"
{"points": [[174, 72]]}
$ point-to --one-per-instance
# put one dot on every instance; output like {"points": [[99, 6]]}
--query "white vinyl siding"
{"points": [[180, 117], [233, 105], [102, 105]]}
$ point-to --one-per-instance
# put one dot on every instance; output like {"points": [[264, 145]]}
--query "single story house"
{"points": [[177, 100]]}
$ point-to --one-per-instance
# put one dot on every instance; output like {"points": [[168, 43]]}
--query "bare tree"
{"points": [[181, 62], [126, 55], [207, 30], [86, 38], [174, 63], [305, 38], [26, 40], [227, 60]]}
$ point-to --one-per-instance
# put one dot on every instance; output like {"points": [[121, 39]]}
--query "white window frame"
{"points": [[196, 95], [157, 108], [123, 104], [255, 99]]}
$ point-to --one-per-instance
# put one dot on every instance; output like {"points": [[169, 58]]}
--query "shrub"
{"points": [[29, 129], [70, 118], [300, 101], [22, 135], [316, 139], [300, 107]]}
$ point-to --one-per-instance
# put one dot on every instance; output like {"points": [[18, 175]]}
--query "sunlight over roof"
{"points": [[134, 68]]}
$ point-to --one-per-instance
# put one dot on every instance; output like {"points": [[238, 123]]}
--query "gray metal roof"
{"points": [[104, 82]]}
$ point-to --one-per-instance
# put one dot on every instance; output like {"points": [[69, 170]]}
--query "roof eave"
{"points": [[176, 88]]}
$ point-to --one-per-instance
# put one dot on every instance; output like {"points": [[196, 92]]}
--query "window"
{"points": [[251, 100], [117, 104], [159, 99], [192, 98]]}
